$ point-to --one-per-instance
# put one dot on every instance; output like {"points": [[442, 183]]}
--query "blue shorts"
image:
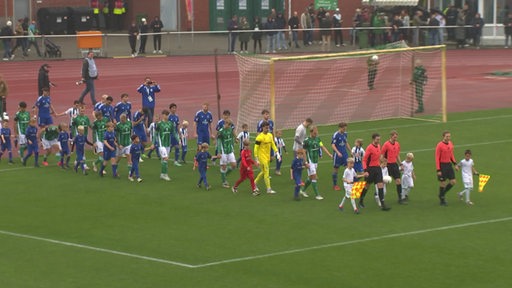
{"points": [[79, 156], [33, 148], [108, 154], [44, 121], [203, 138], [142, 136], [174, 142], [339, 161], [6, 146]]}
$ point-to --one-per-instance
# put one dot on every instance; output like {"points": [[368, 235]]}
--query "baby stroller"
{"points": [[51, 49]]}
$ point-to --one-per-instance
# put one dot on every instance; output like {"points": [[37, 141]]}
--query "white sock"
{"points": [[342, 201], [468, 191], [353, 201]]}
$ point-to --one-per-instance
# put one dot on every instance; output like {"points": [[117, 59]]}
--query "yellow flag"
{"points": [[482, 180], [357, 188]]}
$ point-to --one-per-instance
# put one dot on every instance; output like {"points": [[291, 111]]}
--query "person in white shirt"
{"points": [[408, 176], [468, 170]]}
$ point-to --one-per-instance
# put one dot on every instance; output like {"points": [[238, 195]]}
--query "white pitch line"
{"points": [[357, 241], [293, 251], [14, 169], [109, 251]]}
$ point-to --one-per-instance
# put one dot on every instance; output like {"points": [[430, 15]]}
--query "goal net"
{"points": [[330, 88]]}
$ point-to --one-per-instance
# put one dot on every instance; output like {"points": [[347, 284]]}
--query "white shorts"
{"points": [[47, 144], [22, 139], [468, 185], [407, 182], [312, 169], [348, 190], [123, 151], [164, 151], [227, 158], [99, 147]]}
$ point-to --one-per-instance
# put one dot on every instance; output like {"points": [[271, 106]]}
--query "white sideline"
{"points": [[248, 258]]}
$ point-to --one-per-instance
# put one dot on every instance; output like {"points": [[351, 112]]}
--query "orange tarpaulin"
{"points": [[89, 42]]}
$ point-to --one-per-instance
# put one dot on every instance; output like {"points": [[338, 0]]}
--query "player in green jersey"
{"points": [[124, 132], [312, 145], [50, 141], [80, 120], [225, 144], [165, 129], [99, 126], [21, 120]]}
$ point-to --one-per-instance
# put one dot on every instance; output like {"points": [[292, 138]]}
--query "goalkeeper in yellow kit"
{"points": [[264, 143]]}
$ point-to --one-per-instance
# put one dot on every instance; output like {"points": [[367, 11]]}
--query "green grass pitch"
{"points": [[61, 229]]}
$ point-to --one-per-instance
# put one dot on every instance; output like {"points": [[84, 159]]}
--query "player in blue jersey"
{"points": [[139, 126], [340, 148], [109, 150], [79, 142], [175, 141], [266, 117], [123, 107], [5, 139], [136, 149], [298, 165], [44, 109], [63, 139], [203, 126], [32, 145], [98, 105], [147, 91], [107, 110], [201, 162]]}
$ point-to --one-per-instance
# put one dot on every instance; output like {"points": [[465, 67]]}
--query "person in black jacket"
{"points": [[7, 32], [133, 33], [43, 79], [143, 29], [294, 23], [89, 74], [157, 25]]}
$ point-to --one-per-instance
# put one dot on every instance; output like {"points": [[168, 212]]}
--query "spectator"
{"points": [[157, 25], [32, 41], [326, 26], [244, 36], [418, 21], [271, 34], [232, 27], [305, 23], [143, 30], [256, 34], [460, 30], [396, 28], [281, 38], [478, 25], [21, 30], [133, 34], [293, 23], [3, 96], [433, 31], [7, 33], [508, 28], [337, 20]]}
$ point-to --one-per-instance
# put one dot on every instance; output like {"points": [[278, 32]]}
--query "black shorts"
{"points": [[374, 175], [394, 170], [446, 172]]}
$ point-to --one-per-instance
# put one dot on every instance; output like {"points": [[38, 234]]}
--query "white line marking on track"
{"points": [[248, 258]]}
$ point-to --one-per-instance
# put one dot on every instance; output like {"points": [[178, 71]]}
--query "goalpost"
{"points": [[331, 88]]}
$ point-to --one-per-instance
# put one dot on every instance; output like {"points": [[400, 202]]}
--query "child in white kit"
{"points": [[384, 167], [349, 176], [468, 169], [408, 176]]}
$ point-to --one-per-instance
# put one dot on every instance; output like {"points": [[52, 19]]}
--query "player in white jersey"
{"points": [[184, 140], [408, 176], [72, 112], [468, 170], [244, 134]]}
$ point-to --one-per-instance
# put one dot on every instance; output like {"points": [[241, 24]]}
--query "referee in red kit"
{"points": [[373, 171], [445, 161], [391, 152]]}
